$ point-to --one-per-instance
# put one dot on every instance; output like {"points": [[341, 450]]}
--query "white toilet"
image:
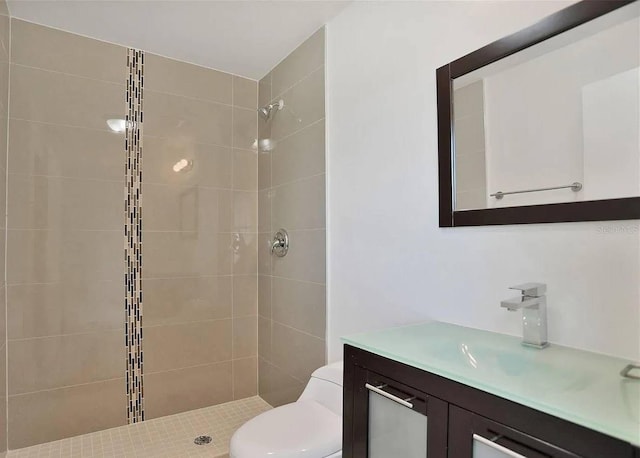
{"points": [[311, 427]]}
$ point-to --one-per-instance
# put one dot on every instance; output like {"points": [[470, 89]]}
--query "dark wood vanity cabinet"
{"points": [[456, 417]]}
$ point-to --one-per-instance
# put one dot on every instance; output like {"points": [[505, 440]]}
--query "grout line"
{"points": [[71, 334], [293, 328], [65, 387], [73, 75], [6, 235], [282, 93], [295, 132], [298, 180]]}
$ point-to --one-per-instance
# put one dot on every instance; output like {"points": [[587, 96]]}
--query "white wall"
{"points": [[388, 262]]}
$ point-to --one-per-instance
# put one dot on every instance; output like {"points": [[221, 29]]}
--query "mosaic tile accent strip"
{"points": [[166, 437], [133, 236]]}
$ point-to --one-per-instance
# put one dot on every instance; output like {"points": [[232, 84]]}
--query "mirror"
{"points": [[544, 125]]}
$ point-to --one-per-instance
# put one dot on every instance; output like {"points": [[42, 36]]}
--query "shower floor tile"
{"points": [[169, 437]]}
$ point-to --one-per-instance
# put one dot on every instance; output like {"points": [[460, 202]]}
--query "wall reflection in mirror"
{"points": [[563, 114]]}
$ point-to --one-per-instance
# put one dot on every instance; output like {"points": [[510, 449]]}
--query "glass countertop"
{"points": [[579, 386]]}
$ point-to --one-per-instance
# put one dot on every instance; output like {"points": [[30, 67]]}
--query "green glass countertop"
{"points": [[579, 386]]}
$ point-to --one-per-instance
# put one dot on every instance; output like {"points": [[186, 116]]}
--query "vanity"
{"points": [[441, 390]]}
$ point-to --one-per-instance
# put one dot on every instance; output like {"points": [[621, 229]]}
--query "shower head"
{"points": [[265, 112]]}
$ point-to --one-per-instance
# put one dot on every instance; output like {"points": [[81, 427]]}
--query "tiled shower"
{"points": [[139, 282]]}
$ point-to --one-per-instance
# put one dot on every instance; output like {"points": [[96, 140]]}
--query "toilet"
{"points": [[311, 427]]}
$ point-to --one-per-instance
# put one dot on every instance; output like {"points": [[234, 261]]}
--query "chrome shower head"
{"points": [[265, 112]]}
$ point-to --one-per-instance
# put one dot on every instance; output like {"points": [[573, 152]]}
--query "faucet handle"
{"points": [[531, 289]]}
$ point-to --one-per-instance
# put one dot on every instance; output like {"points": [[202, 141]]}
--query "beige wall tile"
{"points": [[304, 105], [472, 199], [37, 202], [264, 90], [40, 95], [186, 254], [299, 205], [3, 317], [165, 393], [264, 338], [72, 306], [264, 253], [211, 164], [296, 353], [180, 78], [245, 377], [55, 256], [3, 398], [245, 337], [178, 346], [53, 150], [245, 92], [264, 296], [53, 362], [185, 208], [180, 300], [301, 62], [51, 415], [245, 170], [306, 258], [264, 210], [38, 46], [470, 172], [245, 253], [245, 295], [180, 117], [300, 305], [469, 100], [264, 170], [299, 156], [245, 211], [469, 135], [275, 386], [4, 86], [4, 32], [244, 128]]}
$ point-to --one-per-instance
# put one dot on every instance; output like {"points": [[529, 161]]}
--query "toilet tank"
{"points": [[325, 387]]}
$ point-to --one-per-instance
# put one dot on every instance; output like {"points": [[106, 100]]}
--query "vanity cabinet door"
{"points": [[391, 419], [471, 435]]}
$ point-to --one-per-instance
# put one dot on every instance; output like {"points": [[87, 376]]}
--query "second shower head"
{"points": [[266, 111]]}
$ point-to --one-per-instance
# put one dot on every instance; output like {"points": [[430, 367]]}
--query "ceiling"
{"points": [[247, 38]]}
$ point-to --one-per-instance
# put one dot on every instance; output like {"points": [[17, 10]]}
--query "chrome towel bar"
{"points": [[575, 187]]}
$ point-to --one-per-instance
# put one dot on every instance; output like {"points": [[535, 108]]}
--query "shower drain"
{"points": [[202, 440]]}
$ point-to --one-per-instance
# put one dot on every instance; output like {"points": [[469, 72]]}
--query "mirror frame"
{"points": [[592, 210]]}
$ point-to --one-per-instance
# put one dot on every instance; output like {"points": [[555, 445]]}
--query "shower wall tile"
{"points": [[4, 32], [180, 390], [300, 155], [245, 295], [33, 45], [180, 78], [3, 398], [186, 254], [180, 117], [245, 377], [299, 204], [304, 104], [245, 337], [245, 170], [61, 151], [69, 307], [40, 202], [211, 164], [291, 183], [244, 128], [51, 362], [188, 299], [35, 418], [307, 261], [295, 352], [300, 305], [4, 113], [57, 98], [245, 254], [245, 92], [184, 345], [306, 58], [245, 211], [37, 256]]}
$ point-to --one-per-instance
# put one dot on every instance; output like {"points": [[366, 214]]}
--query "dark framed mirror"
{"points": [[544, 125]]}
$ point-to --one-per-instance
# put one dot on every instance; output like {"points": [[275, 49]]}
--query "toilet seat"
{"points": [[300, 429]]}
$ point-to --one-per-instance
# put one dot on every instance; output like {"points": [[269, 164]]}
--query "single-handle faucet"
{"points": [[533, 304]]}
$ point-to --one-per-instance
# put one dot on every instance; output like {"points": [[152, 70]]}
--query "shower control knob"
{"points": [[280, 244]]}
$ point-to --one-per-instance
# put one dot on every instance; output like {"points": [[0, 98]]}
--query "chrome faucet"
{"points": [[533, 304]]}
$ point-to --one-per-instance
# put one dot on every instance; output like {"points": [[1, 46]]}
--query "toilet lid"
{"points": [[300, 429]]}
